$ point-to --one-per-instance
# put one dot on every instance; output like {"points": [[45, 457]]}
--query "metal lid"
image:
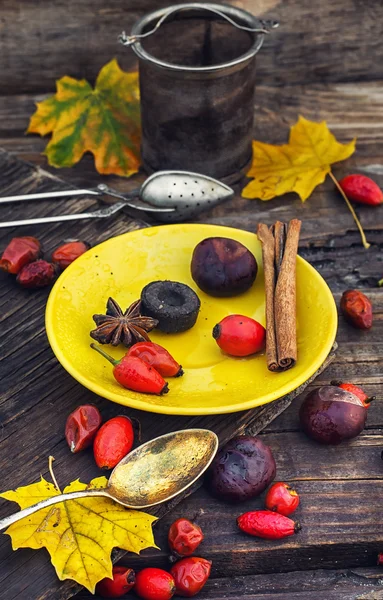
{"points": [[237, 17]]}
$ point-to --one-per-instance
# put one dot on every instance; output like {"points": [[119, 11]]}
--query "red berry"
{"points": [[82, 426], [154, 584], [37, 274], [65, 254], [113, 441], [239, 335], [184, 537], [19, 252], [122, 582], [267, 524], [362, 189], [282, 499], [190, 575], [380, 560], [356, 309]]}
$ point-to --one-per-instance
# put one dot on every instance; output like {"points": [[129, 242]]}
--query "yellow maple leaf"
{"points": [[79, 534], [104, 120], [298, 166]]}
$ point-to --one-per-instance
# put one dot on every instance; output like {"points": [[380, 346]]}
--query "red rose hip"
{"points": [[65, 254], [113, 441], [154, 584], [267, 525], [82, 426], [362, 189], [238, 335], [122, 582], [19, 252], [356, 309], [190, 575], [37, 274], [281, 498], [184, 537]]}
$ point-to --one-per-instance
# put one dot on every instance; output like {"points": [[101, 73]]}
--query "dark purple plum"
{"points": [[330, 415], [241, 470], [223, 267]]}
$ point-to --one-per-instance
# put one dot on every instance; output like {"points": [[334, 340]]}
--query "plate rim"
{"points": [[191, 411]]}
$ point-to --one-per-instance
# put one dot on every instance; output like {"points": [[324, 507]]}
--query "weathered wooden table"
{"points": [[341, 488]]}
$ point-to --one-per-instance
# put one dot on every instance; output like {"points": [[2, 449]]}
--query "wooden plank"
{"points": [[36, 402], [65, 41], [346, 584]]}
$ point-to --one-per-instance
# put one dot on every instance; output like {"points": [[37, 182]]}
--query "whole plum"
{"points": [[331, 414], [241, 470], [223, 267]]}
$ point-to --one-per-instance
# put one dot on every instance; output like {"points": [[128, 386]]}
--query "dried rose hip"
{"points": [[184, 537], [362, 189], [281, 498], [380, 559], [267, 524], [65, 254], [123, 581], [82, 426], [19, 252], [113, 441], [37, 274], [357, 309], [190, 575], [158, 357], [238, 335], [154, 584]]}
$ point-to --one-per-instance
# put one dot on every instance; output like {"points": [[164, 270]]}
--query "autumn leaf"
{"points": [[298, 166], [79, 534], [104, 120]]}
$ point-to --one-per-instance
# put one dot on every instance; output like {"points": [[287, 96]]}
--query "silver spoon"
{"points": [[151, 474], [170, 196]]}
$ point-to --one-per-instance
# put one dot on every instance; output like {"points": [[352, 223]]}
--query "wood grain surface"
{"points": [[325, 62], [316, 42]]}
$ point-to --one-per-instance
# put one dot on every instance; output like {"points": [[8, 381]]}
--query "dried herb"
{"points": [[118, 327]]}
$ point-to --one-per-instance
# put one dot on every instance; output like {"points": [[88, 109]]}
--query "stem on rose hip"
{"points": [[352, 211]]}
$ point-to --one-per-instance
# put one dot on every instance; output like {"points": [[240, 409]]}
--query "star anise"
{"points": [[116, 326]]}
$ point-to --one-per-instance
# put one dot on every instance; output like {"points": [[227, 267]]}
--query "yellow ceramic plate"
{"points": [[213, 382]]}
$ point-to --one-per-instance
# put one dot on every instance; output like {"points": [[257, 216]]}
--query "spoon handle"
{"points": [[26, 512]]}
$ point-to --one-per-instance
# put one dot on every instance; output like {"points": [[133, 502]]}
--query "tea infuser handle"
{"points": [[266, 25]]}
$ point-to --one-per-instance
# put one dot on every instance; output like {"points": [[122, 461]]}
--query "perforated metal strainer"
{"points": [[170, 196]]}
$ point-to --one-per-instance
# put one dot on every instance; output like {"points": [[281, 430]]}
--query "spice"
{"points": [[190, 575], [127, 327], [154, 584], [123, 581], [135, 374], [184, 537], [267, 524], [238, 335], [81, 427], [279, 250], [19, 252], [65, 254], [282, 499], [37, 274], [158, 357], [362, 189], [113, 441], [356, 309]]}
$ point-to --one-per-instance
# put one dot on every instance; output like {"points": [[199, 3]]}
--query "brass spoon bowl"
{"points": [[151, 474]]}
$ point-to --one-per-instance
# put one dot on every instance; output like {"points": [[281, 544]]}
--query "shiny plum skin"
{"points": [[330, 415], [223, 267], [241, 470]]}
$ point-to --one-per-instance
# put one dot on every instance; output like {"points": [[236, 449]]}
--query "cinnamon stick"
{"points": [[267, 240], [279, 250]]}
